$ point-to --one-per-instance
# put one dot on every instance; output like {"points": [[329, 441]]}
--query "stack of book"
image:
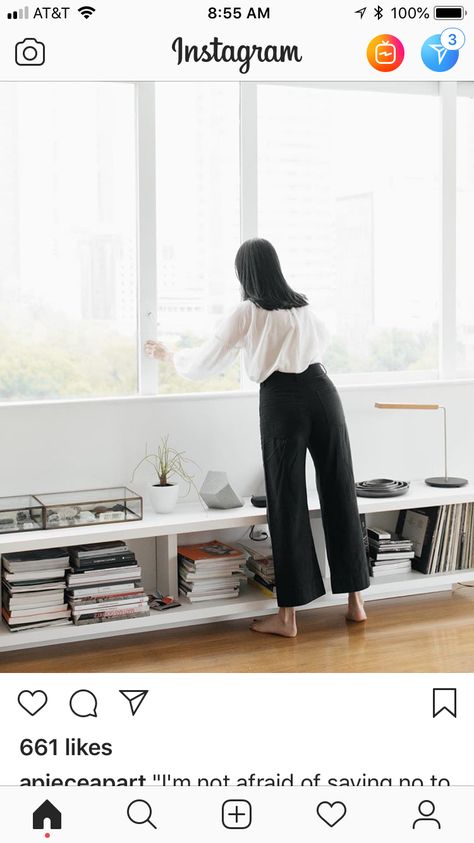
{"points": [[389, 552], [33, 589], [104, 584], [210, 571], [259, 566], [443, 536]]}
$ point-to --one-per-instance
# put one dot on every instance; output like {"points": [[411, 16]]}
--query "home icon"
{"points": [[47, 811]]}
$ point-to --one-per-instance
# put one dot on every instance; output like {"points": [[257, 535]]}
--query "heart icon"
{"points": [[331, 812], [32, 701]]}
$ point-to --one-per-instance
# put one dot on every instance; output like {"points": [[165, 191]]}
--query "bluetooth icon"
{"points": [[378, 12]]}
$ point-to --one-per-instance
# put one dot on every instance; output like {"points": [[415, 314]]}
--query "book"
{"points": [[265, 589], [210, 570], [260, 551], [14, 612], [193, 598], [91, 551], [104, 583], [365, 538], [377, 533], [115, 594], [442, 537], [392, 565], [32, 560], [215, 585], [45, 616], [212, 551], [104, 576], [34, 576], [33, 566], [269, 585], [34, 587], [21, 627], [111, 560], [395, 544], [113, 588], [40, 598], [384, 572], [108, 606], [419, 525], [387, 557], [113, 615]]}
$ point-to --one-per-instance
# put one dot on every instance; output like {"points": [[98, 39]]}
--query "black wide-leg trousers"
{"points": [[301, 412]]}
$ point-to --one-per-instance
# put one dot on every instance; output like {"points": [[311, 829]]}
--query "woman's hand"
{"points": [[157, 350]]}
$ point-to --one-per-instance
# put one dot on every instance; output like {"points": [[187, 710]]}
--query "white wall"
{"points": [[78, 445]]}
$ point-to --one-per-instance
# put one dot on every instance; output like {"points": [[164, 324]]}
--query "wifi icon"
{"points": [[86, 11]]}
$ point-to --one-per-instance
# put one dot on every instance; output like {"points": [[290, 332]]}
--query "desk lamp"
{"points": [[444, 482]]}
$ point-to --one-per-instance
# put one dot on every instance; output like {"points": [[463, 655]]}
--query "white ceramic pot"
{"points": [[163, 498]]}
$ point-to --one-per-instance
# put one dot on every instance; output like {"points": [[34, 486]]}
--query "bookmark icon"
{"points": [[445, 700], [135, 699]]}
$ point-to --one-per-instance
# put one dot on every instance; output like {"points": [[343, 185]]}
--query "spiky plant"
{"points": [[166, 462]]}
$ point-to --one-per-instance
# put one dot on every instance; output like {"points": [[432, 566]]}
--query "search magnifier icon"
{"points": [[139, 812]]}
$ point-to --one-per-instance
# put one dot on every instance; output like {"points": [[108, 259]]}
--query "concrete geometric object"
{"points": [[217, 492]]}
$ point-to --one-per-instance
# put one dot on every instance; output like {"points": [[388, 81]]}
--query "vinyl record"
{"points": [[381, 487]]}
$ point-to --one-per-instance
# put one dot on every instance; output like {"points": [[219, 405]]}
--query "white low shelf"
{"points": [[192, 518]]}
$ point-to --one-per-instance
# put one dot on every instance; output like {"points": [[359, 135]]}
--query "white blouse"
{"points": [[285, 340]]}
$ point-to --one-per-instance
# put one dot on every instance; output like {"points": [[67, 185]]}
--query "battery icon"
{"points": [[448, 12]]}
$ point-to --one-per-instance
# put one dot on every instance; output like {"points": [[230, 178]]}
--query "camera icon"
{"points": [[30, 51]]}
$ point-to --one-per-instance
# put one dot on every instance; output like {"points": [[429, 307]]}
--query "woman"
{"points": [[300, 410]]}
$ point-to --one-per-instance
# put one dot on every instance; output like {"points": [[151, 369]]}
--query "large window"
{"points": [[349, 187], [68, 267], [122, 206], [465, 239], [198, 219]]}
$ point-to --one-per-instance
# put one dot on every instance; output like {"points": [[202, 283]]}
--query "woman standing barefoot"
{"points": [[300, 410]]}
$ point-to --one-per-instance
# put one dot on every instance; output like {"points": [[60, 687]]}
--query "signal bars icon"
{"points": [[86, 11], [19, 14]]}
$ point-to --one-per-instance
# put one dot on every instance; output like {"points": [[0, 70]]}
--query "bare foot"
{"points": [[284, 623], [355, 608]]}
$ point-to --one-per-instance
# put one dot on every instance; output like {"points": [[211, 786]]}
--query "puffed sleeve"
{"points": [[219, 352]]}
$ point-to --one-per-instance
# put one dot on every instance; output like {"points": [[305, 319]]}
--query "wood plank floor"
{"points": [[428, 633]]}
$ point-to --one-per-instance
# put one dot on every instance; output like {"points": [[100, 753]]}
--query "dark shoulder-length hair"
{"points": [[259, 272]]}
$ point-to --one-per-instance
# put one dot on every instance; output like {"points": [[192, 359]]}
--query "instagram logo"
{"points": [[385, 53]]}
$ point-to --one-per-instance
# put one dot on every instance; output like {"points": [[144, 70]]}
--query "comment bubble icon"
{"points": [[83, 703]]}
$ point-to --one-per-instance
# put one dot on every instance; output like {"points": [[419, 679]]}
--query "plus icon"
{"points": [[236, 813]]}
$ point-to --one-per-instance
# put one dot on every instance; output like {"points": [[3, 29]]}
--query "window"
{"points": [[465, 244], [349, 190], [68, 267], [122, 206], [198, 219]]}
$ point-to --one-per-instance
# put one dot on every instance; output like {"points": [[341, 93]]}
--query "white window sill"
{"points": [[247, 393]]}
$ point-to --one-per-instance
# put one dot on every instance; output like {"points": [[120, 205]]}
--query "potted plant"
{"points": [[167, 462]]}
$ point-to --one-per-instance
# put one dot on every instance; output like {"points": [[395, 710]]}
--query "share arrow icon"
{"points": [[135, 699]]}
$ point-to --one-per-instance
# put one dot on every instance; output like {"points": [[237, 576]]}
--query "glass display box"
{"points": [[20, 513], [91, 506]]}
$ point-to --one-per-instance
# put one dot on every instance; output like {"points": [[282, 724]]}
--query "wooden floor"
{"points": [[428, 633]]}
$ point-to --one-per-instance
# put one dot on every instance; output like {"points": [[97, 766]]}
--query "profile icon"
{"points": [[426, 809]]}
